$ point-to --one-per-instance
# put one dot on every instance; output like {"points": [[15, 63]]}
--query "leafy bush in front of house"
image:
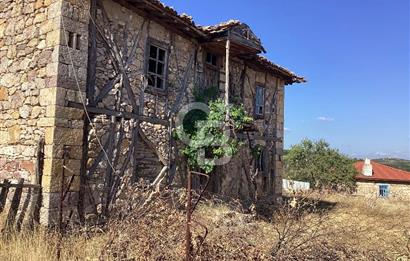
{"points": [[316, 162], [211, 136]]}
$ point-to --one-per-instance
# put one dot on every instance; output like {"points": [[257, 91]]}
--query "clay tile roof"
{"points": [[211, 29], [383, 173], [263, 61], [185, 21]]}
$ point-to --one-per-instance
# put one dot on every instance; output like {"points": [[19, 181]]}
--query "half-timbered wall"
{"points": [[45, 49]]}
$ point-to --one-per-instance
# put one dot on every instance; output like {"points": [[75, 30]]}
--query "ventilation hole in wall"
{"points": [[78, 42], [71, 36]]}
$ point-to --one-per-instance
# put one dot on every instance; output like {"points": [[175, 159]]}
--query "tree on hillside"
{"points": [[316, 162]]}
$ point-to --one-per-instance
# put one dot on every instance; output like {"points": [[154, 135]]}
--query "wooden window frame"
{"points": [[256, 114], [217, 58], [160, 45]]}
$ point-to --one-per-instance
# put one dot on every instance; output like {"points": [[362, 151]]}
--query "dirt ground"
{"points": [[317, 227]]}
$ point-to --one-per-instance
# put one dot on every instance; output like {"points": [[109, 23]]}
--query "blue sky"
{"points": [[355, 56]]}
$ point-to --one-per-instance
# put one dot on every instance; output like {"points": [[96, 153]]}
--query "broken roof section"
{"points": [[245, 42]]}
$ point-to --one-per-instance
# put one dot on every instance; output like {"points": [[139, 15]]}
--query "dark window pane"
{"points": [[208, 57], [71, 39], [160, 68], [214, 60], [152, 66], [159, 83], [161, 55], [153, 52], [78, 42], [151, 80]]}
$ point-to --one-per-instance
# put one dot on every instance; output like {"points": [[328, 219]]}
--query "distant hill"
{"points": [[395, 163]]}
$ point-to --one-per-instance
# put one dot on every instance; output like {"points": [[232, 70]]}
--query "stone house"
{"points": [[378, 180], [130, 65]]}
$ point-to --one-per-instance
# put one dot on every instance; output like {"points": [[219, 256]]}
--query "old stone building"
{"points": [[381, 181], [130, 65]]}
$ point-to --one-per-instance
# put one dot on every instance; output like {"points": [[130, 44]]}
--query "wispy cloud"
{"points": [[323, 118], [287, 129], [381, 154]]}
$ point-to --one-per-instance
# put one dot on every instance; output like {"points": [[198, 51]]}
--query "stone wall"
{"points": [[232, 176], [27, 46], [36, 82], [43, 67], [371, 189]]}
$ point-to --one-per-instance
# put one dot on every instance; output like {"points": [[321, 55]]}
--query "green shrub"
{"points": [[319, 164]]}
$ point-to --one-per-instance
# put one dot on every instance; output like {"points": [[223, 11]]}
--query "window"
{"points": [[156, 67], [71, 39], [260, 165], [74, 40], [384, 191], [260, 101], [78, 42], [211, 59]]}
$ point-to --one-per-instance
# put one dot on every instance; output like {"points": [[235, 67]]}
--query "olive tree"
{"points": [[316, 162]]}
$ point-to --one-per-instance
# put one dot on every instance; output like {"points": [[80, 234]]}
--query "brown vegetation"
{"points": [[317, 227]]}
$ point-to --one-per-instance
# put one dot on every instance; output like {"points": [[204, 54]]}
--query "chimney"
{"points": [[367, 168]]}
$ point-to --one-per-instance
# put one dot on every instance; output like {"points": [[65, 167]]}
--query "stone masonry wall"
{"points": [[231, 176], [124, 22], [36, 82], [43, 66], [27, 46], [371, 189]]}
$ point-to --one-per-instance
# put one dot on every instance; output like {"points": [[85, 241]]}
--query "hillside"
{"points": [[395, 163]]}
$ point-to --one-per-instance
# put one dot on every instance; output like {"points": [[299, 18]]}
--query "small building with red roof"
{"points": [[378, 180]]}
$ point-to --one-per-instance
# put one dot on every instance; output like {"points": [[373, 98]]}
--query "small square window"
{"points": [[211, 59], [384, 191]]}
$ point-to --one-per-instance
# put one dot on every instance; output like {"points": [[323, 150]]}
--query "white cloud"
{"points": [[287, 129], [381, 154], [323, 118]]}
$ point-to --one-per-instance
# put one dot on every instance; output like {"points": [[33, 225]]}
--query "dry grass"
{"points": [[343, 227]]}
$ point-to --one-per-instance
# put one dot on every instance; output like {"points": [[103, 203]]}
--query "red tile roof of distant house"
{"points": [[382, 173]]}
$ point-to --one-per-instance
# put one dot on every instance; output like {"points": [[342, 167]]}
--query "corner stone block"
{"points": [[52, 200], [53, 184], [56, 151], [52, 96], [64, 112], [64, 136], [54, 168]]}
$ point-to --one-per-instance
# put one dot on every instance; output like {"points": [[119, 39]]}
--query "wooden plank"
{"points": [[34, 212], [15, 202], [106, 89], [118, 114], [3, 194], [92, 52], [24, 209], [19, 186], [109, 170], [184, 85]]}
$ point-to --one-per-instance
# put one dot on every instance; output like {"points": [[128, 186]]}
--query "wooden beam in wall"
{"points": [[119, 114]]}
